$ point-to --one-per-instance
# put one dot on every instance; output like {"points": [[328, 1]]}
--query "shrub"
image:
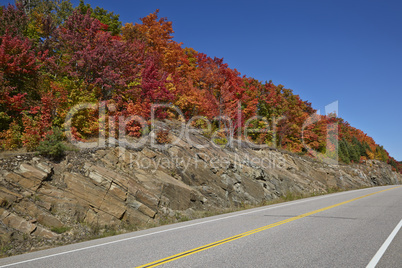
{"points": [[162, 136], [11, 138], [60, 230], [52, 146]]}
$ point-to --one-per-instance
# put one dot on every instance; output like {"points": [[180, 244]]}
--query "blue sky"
{"points": [[326, 51]]}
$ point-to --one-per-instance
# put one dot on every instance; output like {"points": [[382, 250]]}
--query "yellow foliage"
{"points": [[370, 154], [11, 139]]}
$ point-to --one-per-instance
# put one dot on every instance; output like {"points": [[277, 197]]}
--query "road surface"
{"points": [[359, 228]]}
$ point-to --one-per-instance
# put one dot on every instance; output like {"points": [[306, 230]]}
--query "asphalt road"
{"points": [[344, 229]]}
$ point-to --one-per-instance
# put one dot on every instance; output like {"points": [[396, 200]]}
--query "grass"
{"points": [[5, 248], [109, 232], [3, 202], [60, 230], [289, 196]]}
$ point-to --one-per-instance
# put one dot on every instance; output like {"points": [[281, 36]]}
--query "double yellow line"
{"points": [[232, 238]]}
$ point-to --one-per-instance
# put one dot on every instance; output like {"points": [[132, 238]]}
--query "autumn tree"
{"points": [[13, 20], [53, 57], [156, 33], [18, 74], [109, 20]]}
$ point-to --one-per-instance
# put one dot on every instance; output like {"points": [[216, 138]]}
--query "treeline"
{"points": [[54, 56]]}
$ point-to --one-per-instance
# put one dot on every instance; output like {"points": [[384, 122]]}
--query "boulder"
{"points": [[27, 176], [133, 203], [43, 217], [16, 222], [42, 232]]}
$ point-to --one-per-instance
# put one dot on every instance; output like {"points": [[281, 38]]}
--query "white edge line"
{"points": [[384, 247], [181, 227]]}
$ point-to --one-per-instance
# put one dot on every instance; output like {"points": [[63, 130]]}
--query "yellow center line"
{"points": [[232, 238]]}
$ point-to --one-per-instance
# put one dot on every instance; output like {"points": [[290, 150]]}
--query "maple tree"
{"points": [[54, 56], [13, 20], [109, 20]]}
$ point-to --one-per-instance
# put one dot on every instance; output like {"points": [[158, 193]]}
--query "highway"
{"points": [[360, 228]]}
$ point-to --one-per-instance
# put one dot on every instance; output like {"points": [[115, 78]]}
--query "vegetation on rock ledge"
{"points": [[54, 56]]}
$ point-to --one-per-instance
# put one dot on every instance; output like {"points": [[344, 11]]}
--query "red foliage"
{"points": [[142, 67], [13, 20], [97, 57], [162, 136], [17, 59]]}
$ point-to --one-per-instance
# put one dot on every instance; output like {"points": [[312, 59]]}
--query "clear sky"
{"points": [[347, 51]]}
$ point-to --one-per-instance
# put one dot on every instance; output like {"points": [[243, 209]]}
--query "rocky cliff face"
{"points": [[90, 192]]}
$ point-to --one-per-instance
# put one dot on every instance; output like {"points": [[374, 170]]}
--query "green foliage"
{"points": [[180, 217], [11, 138], [222, 141], [52, 146], [349, 152], [44, 17], [361, 147], [394, 164], [53, 57], [343, 152], [60, 230], [353, 153], [58, 10], [207, 130], [381, 154], [108, 18]]}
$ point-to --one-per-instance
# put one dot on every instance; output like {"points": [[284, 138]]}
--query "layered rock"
{"points": [[122, 187]]}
